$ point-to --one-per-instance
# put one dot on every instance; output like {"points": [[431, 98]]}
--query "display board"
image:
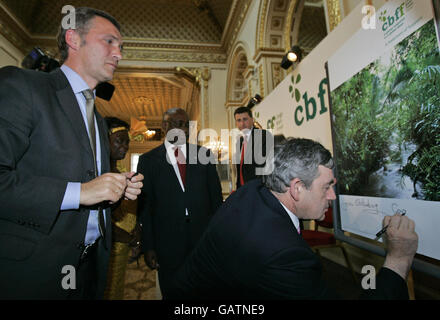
{"points": [[385, 117]]}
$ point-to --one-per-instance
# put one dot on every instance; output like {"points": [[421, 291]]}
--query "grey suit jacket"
{"points": [[44, 145]]}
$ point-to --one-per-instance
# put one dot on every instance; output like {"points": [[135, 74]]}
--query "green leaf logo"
{"points": [[383, 16], [294, 91]]}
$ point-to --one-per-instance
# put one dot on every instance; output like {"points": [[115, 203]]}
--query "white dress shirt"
{"points": [[292, 216], [170, 152], [72, 195]]}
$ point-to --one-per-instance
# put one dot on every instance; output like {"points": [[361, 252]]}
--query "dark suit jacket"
{"points": [[252, 250], [44, 144], [162, 204], [255, 154]]}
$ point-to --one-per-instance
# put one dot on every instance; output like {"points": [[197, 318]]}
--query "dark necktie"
{"points": [[90, 106], [181, 163]]}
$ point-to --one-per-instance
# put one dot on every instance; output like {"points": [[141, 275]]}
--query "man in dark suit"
{"points": [[251, 148], [256, 251], [181, 193], [55, 189]]}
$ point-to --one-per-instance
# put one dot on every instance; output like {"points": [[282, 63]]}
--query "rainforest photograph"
{"points": [[386, 123]]}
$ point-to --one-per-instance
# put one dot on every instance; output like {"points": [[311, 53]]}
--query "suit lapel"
{"points": [[169, 173], [69, 104], [105, 147], [191, 163]]}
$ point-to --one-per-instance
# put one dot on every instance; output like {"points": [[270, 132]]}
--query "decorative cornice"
{"points": [[172, 46], [134, 49], [261, 75], [13, 33], [261, 25], [334, 13], [237, 17], [174, 56], [288, 27], [268, 52]]}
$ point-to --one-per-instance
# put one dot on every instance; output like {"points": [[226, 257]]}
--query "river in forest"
{"points": [[388, 181]]}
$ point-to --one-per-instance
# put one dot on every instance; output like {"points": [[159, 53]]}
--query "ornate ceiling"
{"points": [[172, 31], [153, 30]]}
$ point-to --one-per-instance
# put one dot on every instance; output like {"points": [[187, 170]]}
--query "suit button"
{"points": [[91, 173]]}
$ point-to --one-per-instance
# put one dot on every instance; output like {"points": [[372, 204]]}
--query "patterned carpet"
{"points": [[140, 282]]}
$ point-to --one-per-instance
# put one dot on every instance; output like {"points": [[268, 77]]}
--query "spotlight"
{"points": [[293, 55], [255, 100]]}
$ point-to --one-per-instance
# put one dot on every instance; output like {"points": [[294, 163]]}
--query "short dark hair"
{"points": [[172, 111], [113, 122], [243, 110], [83, 16]]}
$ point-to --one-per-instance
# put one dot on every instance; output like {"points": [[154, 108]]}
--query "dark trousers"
{"points": [[87, 276]]}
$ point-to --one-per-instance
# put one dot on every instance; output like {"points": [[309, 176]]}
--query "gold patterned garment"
{"points": [[123, 217]]}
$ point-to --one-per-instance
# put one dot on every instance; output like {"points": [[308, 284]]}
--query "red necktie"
{"points": [[181, 163], [243, 148]]}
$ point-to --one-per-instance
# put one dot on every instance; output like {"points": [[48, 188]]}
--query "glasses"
{"points": [[179, 123]]}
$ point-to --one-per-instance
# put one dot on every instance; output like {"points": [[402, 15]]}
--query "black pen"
{"points": [[134, 175], [381, 232]]}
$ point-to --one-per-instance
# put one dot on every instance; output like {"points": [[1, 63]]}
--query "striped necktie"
{"points": [[90, 108]]}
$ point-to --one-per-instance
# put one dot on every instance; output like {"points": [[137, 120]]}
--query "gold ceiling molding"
{"points": [[261, 75], [288, 28], [334, 13], [173, 56], [136, 32], [262, 23], [238, 14], [12, 32], [165, 19], [172, 46]]}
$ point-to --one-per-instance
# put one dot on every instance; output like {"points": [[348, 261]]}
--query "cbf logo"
{"points": [[388, 20], [388, 17], [307, 108]]}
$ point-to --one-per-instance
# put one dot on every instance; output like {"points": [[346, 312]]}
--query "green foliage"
{"points": [[389, 103]]}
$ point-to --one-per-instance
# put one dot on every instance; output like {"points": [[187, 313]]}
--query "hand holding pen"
{"points": [[134, 185], [384, 229], [401, 243]]}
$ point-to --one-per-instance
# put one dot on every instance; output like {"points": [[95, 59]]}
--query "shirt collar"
{"points": [[170, 147], [246, 132], [292, 216], [76, 82]]}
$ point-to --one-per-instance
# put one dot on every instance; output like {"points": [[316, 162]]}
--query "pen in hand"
{"points": [[134, 175], [384, 229]]}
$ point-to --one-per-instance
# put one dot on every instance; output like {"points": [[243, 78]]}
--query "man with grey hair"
{"points": [[256, 251], [180, 195], [56, 190]]}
